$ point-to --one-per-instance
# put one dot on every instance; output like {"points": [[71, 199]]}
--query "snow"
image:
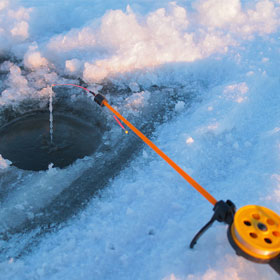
{"points": [[33, 59], [227, 138], [4, 163]]}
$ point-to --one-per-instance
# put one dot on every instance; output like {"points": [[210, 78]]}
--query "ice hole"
{"points": [[26, 140]]}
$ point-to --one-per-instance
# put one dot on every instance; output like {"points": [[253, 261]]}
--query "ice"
{"points": [[14, 25], [18, 87], [73, 66], [4, 163], [179, 106], [262, 18], [124, 42], [225, 54], [134, 87], [51, 115], [33, 59]]}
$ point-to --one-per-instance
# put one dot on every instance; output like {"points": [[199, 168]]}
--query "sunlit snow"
{"points": [[202, 77]]}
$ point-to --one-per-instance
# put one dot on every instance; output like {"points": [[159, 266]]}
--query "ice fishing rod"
{"points": [[253, 231]]}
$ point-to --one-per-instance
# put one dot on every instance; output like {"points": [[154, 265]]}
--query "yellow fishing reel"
{"points": [[255, 233]]}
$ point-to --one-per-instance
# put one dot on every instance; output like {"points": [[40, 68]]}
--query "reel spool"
{"points": [[255, 233]]}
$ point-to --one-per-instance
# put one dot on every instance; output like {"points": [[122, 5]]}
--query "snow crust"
{"points": [[4, 163], [228, 140]]}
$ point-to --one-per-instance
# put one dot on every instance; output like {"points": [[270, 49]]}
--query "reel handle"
{"points": [[223, 212]]}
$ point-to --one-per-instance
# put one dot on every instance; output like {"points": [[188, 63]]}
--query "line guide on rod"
{"points": [[253, 232]]}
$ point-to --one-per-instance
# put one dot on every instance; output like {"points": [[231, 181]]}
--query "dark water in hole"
{"points": [[26, 141]]}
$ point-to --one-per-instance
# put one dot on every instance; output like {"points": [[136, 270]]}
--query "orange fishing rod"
{"points": [[252, 229], [245, 226], [188, 178], [101, 100]]}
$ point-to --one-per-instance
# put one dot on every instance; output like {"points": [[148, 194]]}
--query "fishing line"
{"points": [[73, 85], [119, 123]]}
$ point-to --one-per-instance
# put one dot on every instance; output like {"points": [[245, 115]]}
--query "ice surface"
{"points": [[51, 115], [228, 139], [4, 163]]}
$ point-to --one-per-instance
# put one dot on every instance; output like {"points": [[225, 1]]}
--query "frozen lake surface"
{"points": [[200, 78]]}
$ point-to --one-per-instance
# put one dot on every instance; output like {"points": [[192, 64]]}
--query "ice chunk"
{"points": [[180, 105], [4, 163]]}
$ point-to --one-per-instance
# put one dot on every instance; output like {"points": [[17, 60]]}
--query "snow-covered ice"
{"points": [[4, 163], [226, 53]]}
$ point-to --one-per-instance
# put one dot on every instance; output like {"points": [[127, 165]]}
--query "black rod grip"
{"points": [[99, 99]]}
